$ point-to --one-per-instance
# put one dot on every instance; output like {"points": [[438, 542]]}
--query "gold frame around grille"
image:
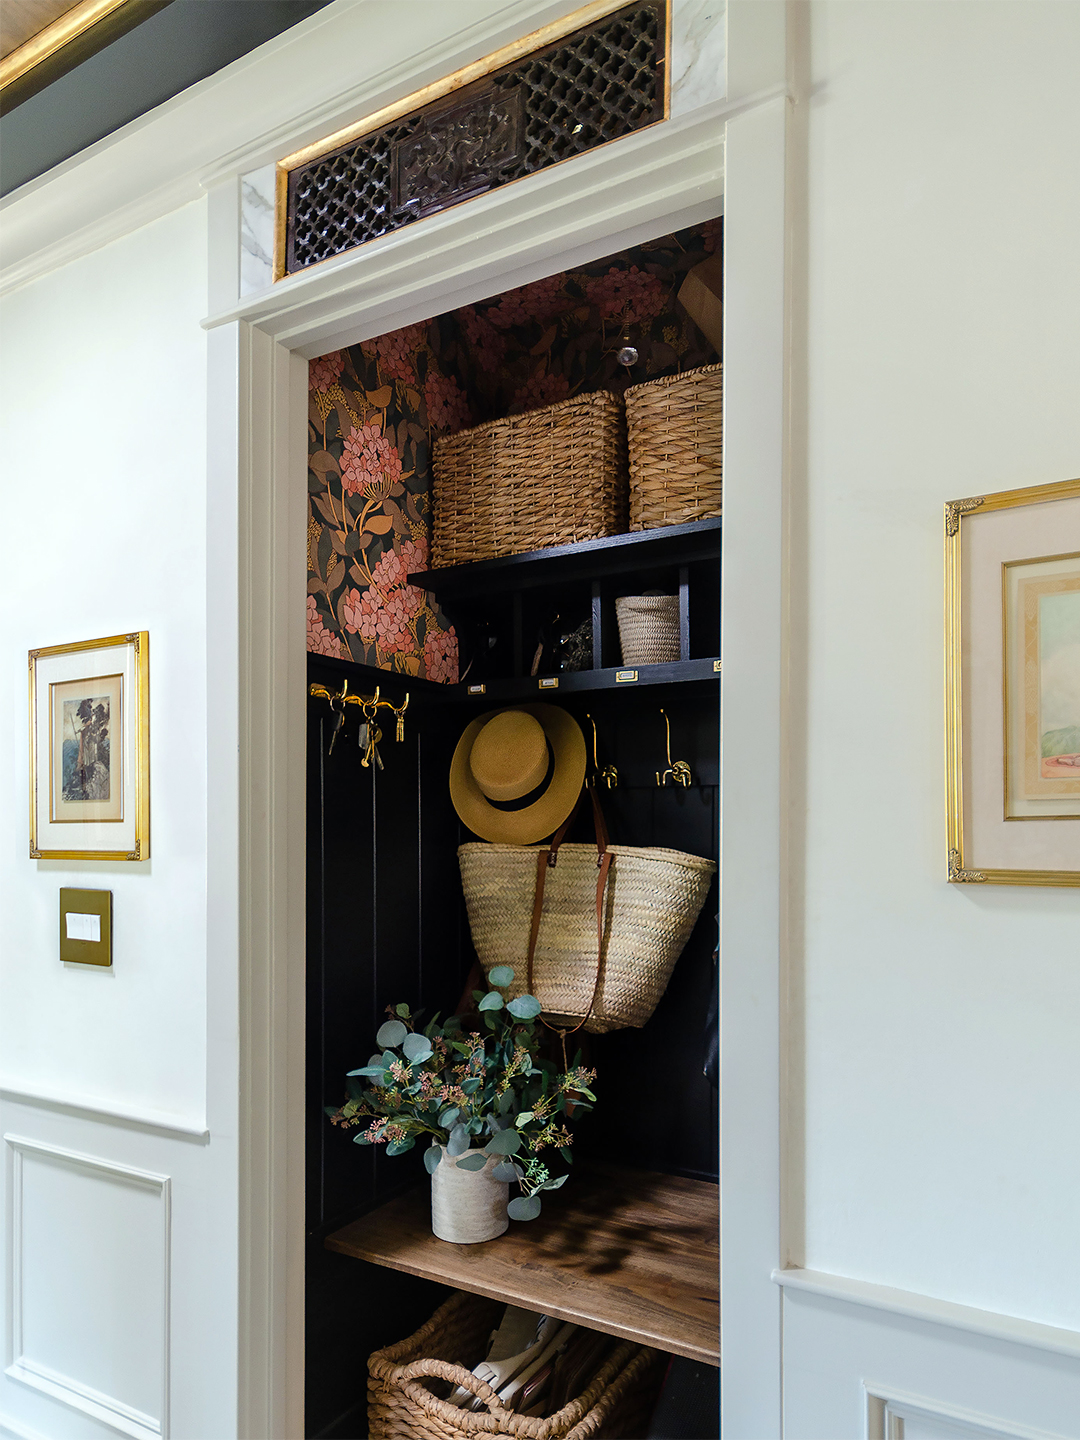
{"points": [[516, 50]]}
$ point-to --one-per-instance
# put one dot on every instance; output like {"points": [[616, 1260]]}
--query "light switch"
{"points": [[86, 926], [83, 927]]}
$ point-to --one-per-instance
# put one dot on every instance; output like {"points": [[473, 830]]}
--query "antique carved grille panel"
{"points": [[597, 84]]}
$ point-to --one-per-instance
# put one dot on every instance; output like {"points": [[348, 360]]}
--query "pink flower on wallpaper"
{"points": [[389, 570], [370, 463], [544, 388], [320, 641], [397, 352], [358, 613], [441, 656], [489, 345], [323, 372], [414, 555], [540, 301], [447, 407], [631, 296]]}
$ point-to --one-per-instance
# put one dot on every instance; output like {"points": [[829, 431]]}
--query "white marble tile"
{"points": [[698, 46], [257, 229]]}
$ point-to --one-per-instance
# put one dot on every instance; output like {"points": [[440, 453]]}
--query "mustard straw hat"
{"points": [[517, 773]]}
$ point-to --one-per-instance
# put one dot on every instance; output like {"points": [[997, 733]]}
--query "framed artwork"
{"points": [[90, 750], [1012, 673]]}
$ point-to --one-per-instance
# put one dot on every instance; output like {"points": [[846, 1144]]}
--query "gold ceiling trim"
{"points": [[54, 37]]}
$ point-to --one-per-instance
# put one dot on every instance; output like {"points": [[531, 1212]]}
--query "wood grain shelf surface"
{"points": [[628, 1252]]}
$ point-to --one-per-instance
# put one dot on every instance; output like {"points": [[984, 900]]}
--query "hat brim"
{"points": [[544, 816]]}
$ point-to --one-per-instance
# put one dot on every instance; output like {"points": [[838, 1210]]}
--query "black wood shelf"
{"points": [[587, 560], [542, 687]]}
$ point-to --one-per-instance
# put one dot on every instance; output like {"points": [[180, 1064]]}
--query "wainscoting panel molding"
{"points": [[893, 1415], [89, 1241]]}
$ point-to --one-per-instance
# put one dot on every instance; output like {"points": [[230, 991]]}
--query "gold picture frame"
{"points": [[90, 749], [1012, 740]]}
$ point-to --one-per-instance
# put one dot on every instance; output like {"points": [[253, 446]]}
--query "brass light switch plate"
{"points": [[86, 926]]}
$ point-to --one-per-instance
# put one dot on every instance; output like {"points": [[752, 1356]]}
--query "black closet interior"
{"points": [[386, 919]]}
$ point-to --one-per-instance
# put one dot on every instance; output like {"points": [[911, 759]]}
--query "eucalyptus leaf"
{"points": [[447, 1118], [478, 994], [360, 1139], [472, 1162], [417, 1048], [505, 1102], [432, 1157], [393, 1032], [507, 1172], [452, 1023], [501, 975], [398, 1147], [491, 1001], [389, 1058], [523, 1118], [458, 1142], [375, 1059], [471, 1085], [525, 1207], [402, 1010], [370, 1071], [557, 1184], [525, 1007], [506, 1142]]}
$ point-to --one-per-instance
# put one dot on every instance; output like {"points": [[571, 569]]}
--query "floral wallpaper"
{"points": [[376, 407]]}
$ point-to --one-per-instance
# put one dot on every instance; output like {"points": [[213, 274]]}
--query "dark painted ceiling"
{"points": [[174, 48]]}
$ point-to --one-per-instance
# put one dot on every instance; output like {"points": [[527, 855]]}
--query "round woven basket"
{"points": [[675, 432], [401, 1406], [653, 899], [648, 628]]}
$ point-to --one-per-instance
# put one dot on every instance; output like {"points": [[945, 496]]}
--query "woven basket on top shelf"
{"points": [[401, 1406], [675, 429], [550, 477]]}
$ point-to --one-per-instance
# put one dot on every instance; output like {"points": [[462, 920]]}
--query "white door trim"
{"points": [[669, 176]]}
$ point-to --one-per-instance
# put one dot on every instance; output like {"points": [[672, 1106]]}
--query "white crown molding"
{"points": [[254, 111], [104, 1109], [990, 1323]]}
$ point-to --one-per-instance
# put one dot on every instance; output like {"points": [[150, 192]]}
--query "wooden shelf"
{"points": [[587, 560], [627, 1252]]}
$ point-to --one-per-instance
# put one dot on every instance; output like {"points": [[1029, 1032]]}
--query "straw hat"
{"points": [[517, 773]]}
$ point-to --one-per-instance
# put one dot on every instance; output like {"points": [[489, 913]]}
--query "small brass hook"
{"points": [[679, 770], [609, 775]]}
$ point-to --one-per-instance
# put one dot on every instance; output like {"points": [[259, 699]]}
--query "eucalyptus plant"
{"points": [[486, 1091]]}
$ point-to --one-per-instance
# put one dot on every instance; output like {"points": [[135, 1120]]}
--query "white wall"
{"points": [[122, 1231], [104, 415], [942, 297]]}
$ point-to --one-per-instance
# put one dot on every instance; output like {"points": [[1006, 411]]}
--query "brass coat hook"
{"points": [[369, 734], [679, 770], [609, 775]]}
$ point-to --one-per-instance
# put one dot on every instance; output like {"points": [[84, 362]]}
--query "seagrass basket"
{"points": [[675, 431], [648, 628], [653, 899], [403, 1404], [550, 477]]}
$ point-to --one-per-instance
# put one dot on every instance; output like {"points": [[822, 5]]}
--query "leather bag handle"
{"points": [[547, 859]]}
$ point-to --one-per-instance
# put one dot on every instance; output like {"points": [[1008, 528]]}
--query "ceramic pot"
{"points": [[467, 1206]]}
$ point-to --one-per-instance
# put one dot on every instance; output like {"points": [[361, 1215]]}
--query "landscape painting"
{"points": [[1052, 651]]}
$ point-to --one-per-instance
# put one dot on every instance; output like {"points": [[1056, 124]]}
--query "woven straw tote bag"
{"points": [[598, 927]]}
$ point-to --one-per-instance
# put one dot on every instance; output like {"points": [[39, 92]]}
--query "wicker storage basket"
{"points": [[654, 897], [550, 477], [675, 428], [401, 1406], [648, 628]]}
